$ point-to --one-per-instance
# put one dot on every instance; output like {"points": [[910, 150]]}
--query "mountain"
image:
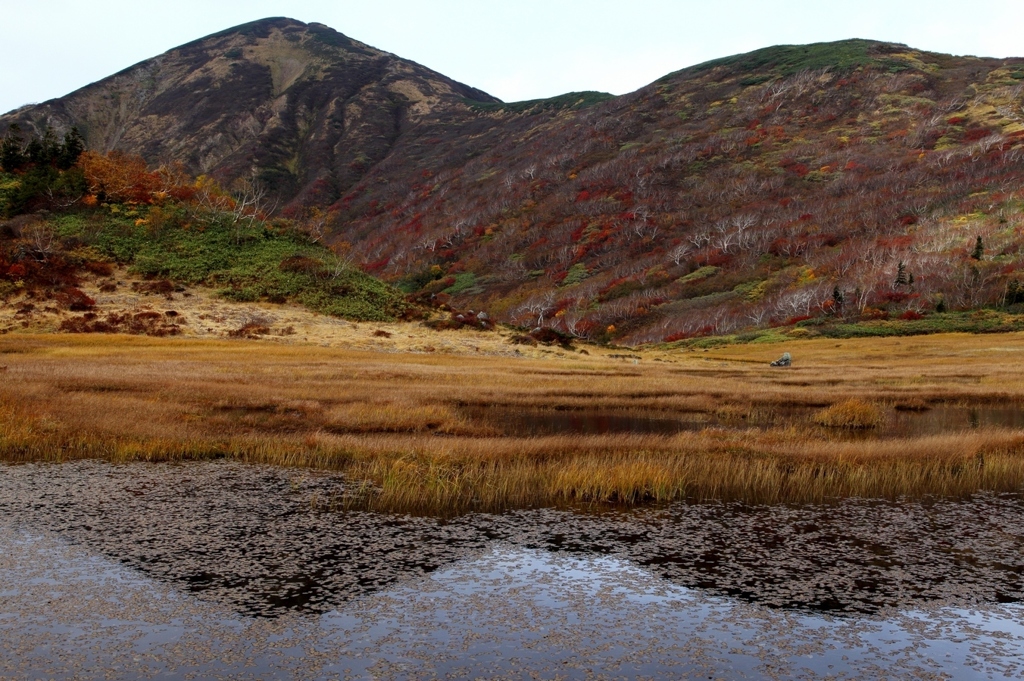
{"points": [[308, 107], [793, 186]]}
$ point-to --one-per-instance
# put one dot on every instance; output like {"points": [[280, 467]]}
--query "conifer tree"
{"points": [[837, 300], [979, 249], [12, 155], [901, 275]]}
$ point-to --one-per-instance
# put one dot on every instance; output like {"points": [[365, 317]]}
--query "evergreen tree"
{"points": [[837, 300], [70, 149], [901, 275], [979, 249], [12, 155], [1014, 293]]}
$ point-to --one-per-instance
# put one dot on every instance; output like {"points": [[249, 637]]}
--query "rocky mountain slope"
{"points": [[789, 186]]}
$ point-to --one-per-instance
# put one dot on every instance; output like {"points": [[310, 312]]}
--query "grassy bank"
{"points": [[398, 424], [245, 261]]}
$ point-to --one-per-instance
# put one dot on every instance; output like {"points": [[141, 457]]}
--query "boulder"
{"points": [[783, 361]]}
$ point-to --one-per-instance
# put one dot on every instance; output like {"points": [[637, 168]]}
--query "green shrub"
{"points": [[576, 274], [463, 282]]}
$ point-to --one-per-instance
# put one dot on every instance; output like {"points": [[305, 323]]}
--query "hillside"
{"points": [[781, 187], [795, 186]]}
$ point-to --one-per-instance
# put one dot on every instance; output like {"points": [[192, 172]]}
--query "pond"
{"points": [[936, 420], [218, 568]]}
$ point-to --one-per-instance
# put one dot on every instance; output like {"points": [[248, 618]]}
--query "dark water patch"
{"points": [[898, 422], [255, 539], [102, 387], [945, 419], [541, 422]]}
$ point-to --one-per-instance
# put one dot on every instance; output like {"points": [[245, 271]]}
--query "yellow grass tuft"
{"points": [[851, 414]]}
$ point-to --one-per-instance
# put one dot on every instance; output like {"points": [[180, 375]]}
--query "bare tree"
{"points": [[680, 253], [251, 200], [41, 236], [314, 224]]}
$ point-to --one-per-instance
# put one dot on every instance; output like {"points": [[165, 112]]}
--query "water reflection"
{"points": [[251, 538], [508, 612], [898, 423]]}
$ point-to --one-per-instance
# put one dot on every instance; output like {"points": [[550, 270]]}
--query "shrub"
{"points": [[548, 336], [75, 300], [576, 274]]}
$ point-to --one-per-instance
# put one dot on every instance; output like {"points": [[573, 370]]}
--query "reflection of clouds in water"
{"points": [[65, 613], [559, 612], [247, 537]]}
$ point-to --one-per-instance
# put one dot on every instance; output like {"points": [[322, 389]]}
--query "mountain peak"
{"points": [[260, 27], [305, 105]]}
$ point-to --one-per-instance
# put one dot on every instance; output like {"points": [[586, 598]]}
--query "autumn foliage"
{"points": [[756, 192]]}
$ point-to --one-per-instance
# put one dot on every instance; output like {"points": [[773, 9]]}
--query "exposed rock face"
{"points": [[310, 108]]}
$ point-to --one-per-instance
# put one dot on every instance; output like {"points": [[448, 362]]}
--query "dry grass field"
{"points": [[411, 430]]}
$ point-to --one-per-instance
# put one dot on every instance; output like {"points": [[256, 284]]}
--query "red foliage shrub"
{"points": [[715, 258], [897, 296], [975, 134], [103, 269], [75, 300], [377, 265], [911, 315]]}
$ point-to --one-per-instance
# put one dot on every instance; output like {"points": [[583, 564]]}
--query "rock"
{"points": [[783, 361]]}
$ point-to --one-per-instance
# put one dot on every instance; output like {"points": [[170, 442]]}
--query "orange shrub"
{"points": [[119, 177]]}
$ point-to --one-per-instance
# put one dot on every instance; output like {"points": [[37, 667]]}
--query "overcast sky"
{"points": [[513, 49]]}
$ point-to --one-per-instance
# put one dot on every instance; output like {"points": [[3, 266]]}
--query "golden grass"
{"points": [[850, 414], [397, 424]]}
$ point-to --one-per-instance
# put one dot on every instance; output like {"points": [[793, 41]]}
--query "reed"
{"points": [[398, 428]]}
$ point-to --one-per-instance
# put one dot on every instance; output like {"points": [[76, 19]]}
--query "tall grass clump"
{"points": [[852, 414]]}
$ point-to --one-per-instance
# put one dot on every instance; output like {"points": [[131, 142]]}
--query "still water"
{"points": [[936, 420], [220, 569]]}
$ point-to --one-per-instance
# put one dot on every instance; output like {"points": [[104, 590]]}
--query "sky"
{"points": [[513, 49]]}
